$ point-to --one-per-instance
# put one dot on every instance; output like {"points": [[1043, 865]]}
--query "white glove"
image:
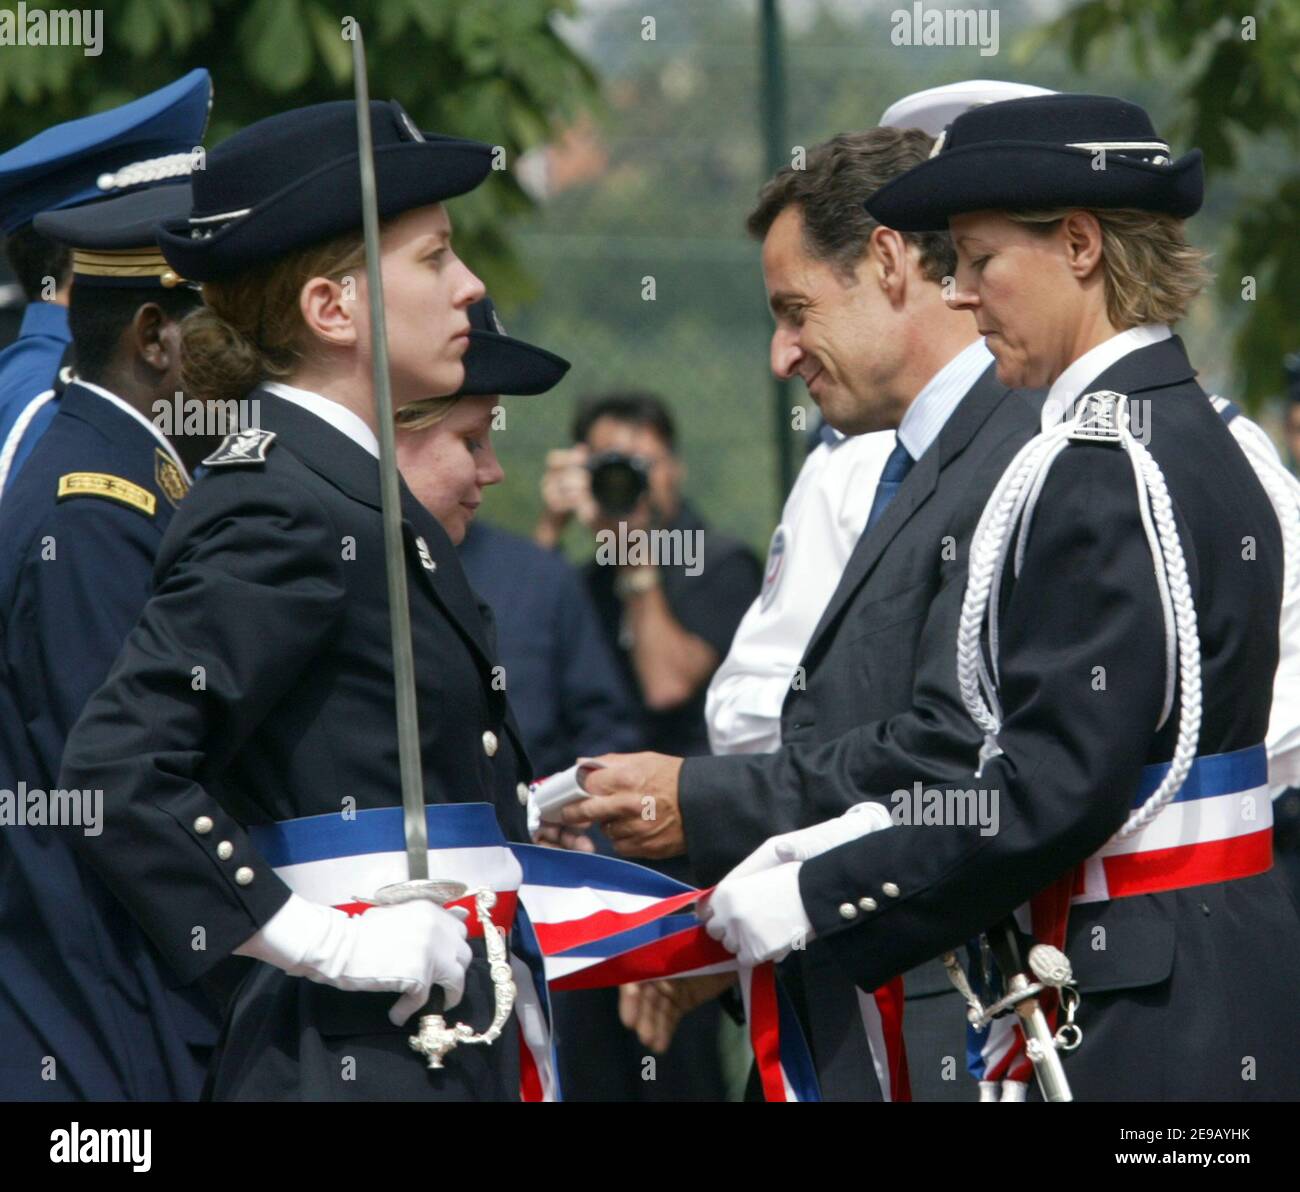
{"points": [[759, 917], [406, 949], [806, 843]]}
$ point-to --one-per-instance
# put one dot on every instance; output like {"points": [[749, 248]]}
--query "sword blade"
{"points": [[408, 726]]}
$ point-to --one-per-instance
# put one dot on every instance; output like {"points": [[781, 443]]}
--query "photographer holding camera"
{"points": [[669, 590], [669, 593]]}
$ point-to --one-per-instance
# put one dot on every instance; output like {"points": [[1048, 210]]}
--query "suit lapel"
{"points": [[969, 416]]}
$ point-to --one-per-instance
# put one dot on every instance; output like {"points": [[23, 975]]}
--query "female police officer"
{"points": [[245, 740], [1126, 690]]}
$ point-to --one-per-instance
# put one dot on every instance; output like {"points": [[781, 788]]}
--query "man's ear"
{"points": [[1082, 237], [147, 327], [327, 311], [888, 260]]}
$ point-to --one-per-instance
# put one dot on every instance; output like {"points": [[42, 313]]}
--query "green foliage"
{"points": [[1237, 69], [494, 71]]}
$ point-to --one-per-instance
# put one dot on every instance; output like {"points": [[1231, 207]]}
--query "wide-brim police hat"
{"points": [[1041, 152], [498, 364], [292, 180], [112, 241]]}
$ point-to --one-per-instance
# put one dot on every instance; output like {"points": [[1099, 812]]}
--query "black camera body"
{"points": [[618, 481]]}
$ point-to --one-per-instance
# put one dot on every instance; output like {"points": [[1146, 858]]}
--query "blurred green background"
{"points": [[635, 147]]}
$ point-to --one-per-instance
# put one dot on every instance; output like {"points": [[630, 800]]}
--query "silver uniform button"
{"points": [[203, 825], [867, 904], [889, 890], [490, 743], [225, 850], [522, 791], [244, 876], [848, 910]]}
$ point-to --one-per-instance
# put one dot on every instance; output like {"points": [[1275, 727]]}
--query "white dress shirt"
{"points": [[822, 521], [1283, 739], [338, 416], [932, 407], [1078, 378]]}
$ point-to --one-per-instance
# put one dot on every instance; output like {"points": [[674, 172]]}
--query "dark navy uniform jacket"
{"points": [[563, 681], [258, 687], [27, 368], [1178, 988], [78, 980]]}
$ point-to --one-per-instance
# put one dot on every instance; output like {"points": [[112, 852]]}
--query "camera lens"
{"points": [[617, 481]]}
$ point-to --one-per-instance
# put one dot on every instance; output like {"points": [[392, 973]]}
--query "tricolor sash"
{"points": [[1217, 828], [575, 921]]}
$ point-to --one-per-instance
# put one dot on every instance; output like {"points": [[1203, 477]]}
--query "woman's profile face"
{"points": [[428, 290], [449, 464], [1027, 301]]}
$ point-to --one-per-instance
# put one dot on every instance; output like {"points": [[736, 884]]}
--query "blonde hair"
{"points": [[250, 327], [425, 412], [1151, 273]]}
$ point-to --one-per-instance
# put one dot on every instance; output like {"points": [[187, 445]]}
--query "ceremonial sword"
{"points": [[435, 1038], [1022, 984]]}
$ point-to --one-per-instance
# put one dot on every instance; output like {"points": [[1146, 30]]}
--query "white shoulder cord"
{"points": [[1281, 488], [16, 433], [1102, 417]]}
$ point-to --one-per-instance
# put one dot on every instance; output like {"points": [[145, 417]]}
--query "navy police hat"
{"points": [[495, 363], [1041, 152], [109, 153], [292, 180], [113, 241]]}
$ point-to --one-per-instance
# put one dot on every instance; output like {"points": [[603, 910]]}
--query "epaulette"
{"points": [[241, 447], [1100, 417], [112, 488]]}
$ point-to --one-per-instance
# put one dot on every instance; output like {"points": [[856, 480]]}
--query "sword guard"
{"points": [[436, 1038]]}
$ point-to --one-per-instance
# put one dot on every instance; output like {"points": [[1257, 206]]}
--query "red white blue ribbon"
{"points": [[1217, 828], [577, 921]]}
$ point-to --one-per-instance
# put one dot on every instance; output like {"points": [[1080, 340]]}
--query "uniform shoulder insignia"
{"points": [[242, 447], [1100, 417], [169, 478], [112, 488]]}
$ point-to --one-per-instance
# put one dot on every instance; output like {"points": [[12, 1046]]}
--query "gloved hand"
{"points": [[408, 949], [807, 843], [759, 916]]}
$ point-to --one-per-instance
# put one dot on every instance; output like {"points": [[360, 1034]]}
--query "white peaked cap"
{"points": [[934, 109]]}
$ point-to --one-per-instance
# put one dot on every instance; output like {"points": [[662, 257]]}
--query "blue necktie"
{"points": [[895, 472]]}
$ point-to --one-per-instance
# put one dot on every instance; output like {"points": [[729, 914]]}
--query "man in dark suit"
{"points": [[860, 317]]}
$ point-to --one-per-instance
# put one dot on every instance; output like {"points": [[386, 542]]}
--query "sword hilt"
{"points": [[1022, 996]]}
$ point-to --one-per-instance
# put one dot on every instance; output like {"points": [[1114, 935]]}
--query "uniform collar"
{"points": [[46, 318], [338, 416], [1076, 379], [943, 392], [131, 412]]}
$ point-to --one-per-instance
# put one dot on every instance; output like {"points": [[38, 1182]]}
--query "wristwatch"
{"points": [[635, 581]]}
